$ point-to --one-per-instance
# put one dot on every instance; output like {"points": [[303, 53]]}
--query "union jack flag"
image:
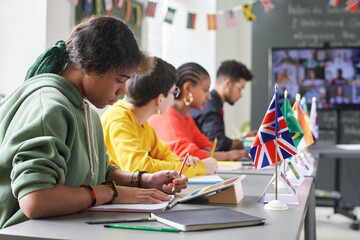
{"points": [[263, 148]]}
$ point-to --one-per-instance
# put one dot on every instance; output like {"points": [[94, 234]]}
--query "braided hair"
{"points": [[190, 72]]}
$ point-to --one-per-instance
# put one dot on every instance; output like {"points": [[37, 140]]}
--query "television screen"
{"points": [[332, 75]]}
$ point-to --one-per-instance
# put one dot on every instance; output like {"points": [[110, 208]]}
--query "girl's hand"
{"points": [[137, 195]]}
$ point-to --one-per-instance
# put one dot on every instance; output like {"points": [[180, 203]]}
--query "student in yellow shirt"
{"points": [[131, 142]]}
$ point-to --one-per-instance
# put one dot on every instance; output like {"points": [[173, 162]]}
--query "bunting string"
{"points": [[134, 13]]}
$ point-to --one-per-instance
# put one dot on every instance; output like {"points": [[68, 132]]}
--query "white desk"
{"points": [[279, 224]]}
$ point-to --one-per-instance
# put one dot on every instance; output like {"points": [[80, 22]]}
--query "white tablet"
{"points": [[212, 188]]}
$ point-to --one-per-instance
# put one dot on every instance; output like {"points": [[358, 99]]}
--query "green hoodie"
{"points": [[48, 136]]}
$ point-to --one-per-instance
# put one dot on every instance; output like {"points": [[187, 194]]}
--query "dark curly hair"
{"points": [[141, 89], [102, 43], [233, 69]]}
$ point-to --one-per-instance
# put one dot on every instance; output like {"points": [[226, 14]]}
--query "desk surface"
{"points": [[333, 152], [280, 224]]}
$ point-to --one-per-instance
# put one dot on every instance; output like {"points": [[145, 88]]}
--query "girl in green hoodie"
{"points": [[51, 141]]}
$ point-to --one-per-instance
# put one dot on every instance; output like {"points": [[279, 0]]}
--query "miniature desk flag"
{"points": [[191, 18], [211, 21], [151, 9], [307, 140], [291, 121], [305, 111], [249, 15], [313, 119], [264, 146], [170, 15], [230, 19]]}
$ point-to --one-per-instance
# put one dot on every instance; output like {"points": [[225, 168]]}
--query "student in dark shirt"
{"points": [[231, 79]]}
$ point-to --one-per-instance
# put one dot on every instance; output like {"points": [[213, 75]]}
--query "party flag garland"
{"points": [[134, 14]]}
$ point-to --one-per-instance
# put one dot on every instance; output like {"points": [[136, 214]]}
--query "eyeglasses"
{"points": [[176, 92]]}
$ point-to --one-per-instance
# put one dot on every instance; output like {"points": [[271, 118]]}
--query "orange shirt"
{"points": [[180, 133]]}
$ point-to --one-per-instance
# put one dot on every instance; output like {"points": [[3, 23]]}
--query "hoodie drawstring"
{"points": [[90, 141]]}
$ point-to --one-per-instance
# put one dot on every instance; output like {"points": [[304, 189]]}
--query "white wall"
{"points": [[27, 28], [235, 43]]}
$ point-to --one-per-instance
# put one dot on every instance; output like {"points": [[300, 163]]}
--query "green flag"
{"points": [[292, 123]]}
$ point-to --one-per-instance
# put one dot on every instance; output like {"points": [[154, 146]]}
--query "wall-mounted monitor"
{"points": [[332, 75]]}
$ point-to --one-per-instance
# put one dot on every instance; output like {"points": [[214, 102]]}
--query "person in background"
{"points": [[177, 128], [131, 142], [339, 79], [53, 156], [231, 78]]}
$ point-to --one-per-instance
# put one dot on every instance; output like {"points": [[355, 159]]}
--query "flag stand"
{"points": [[276, 204]]}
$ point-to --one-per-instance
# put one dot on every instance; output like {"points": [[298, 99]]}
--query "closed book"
{"points": [[229, 165], [206, 218]]}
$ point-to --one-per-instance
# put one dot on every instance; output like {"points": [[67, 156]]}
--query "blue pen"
{"points": [[141, 228]]}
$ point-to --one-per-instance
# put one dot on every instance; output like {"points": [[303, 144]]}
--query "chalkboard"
{"points": [[294, 23]]}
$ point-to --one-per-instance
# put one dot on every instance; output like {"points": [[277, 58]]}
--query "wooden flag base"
{"points": [[231, 195]]}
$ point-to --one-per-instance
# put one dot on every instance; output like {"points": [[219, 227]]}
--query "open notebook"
{"points": [[135, 207]]}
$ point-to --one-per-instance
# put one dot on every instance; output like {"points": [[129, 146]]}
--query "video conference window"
{"points": [[332, 75]]}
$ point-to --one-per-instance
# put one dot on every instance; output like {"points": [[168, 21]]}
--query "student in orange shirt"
{"points": [[177, 128]]}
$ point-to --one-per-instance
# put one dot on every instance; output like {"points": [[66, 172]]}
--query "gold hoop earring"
{"points": [[187, 103]]}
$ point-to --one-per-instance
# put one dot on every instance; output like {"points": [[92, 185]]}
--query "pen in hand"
{"points": [[182, 167]]}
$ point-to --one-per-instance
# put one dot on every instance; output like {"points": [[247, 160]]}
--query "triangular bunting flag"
{"points": [[74, 2], [120, 4]]}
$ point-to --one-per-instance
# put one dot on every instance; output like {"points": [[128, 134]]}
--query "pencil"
{"points": [[213, 149], [141, 227], [181, 169]]}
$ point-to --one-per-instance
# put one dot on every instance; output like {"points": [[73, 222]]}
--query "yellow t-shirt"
{"points": [[132, 146]]}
